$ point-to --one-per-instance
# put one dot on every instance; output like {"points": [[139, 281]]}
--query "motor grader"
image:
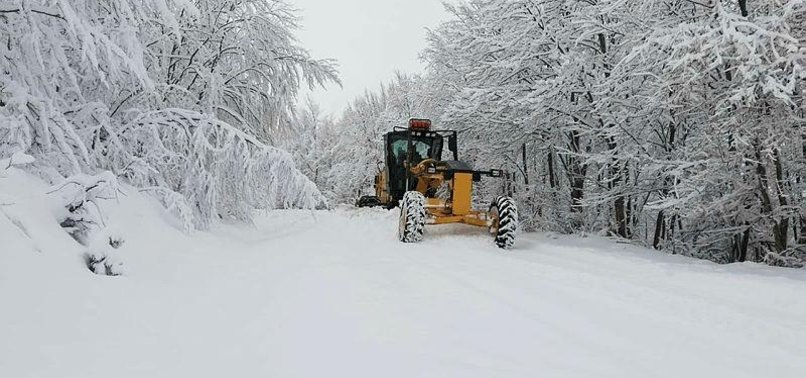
{"points": [[429, 190]]}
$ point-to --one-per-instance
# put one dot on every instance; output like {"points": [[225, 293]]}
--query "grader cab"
{"points": [[429, 190]]}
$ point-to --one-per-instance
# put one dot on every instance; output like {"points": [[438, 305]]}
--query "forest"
{"points": [[678, 125], [673, 124]]}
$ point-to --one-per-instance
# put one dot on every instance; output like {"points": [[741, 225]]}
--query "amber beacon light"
{"points": [[420, 124]]}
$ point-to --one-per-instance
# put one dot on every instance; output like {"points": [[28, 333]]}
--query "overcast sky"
{"points": [[369, 38]]}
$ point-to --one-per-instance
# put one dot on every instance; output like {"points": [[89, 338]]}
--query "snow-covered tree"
{"points": [[675, 123], [181, 97]]}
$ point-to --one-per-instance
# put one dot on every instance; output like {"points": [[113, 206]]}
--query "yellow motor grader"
{"points": [[430, 190]]}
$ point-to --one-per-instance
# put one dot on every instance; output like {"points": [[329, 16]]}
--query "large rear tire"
{"points": [[504, 216], [412, 217]]}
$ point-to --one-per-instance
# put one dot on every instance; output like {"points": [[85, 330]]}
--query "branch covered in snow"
{"points": [[222, 171], [185, 96]]}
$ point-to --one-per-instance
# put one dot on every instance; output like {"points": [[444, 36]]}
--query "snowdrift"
{"points": [[37, 239]]}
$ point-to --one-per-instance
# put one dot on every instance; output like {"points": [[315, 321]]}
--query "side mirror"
{"points": [[452, 146]]}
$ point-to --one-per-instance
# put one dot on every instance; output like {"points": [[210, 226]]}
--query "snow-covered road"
{"points": [[335, 295]]}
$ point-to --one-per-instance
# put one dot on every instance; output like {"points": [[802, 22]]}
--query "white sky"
{"points": [[371, 39]]}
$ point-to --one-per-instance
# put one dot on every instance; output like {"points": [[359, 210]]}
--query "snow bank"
{"points": [[37, 243]]}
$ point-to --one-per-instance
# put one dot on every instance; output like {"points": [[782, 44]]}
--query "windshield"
{"points": [[424, 147], [422, 150]]}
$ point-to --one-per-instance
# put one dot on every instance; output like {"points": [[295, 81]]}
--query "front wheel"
{"points": [[504, 216], [412, 217]]}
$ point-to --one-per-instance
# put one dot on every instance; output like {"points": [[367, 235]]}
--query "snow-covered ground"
{"points": [[333, 294]]}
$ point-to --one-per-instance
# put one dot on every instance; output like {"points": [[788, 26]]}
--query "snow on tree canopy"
{"points": [[181, 97], [675, 124], [210, 163]]}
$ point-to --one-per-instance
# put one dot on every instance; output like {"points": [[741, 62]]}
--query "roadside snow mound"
{"points": [[56, 231]]}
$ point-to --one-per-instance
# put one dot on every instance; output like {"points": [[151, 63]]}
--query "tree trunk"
{"points": [[525, 168], [764, 194], [781, 228], [576, 173], [741, 243], [660, 230], [550, 161]]}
